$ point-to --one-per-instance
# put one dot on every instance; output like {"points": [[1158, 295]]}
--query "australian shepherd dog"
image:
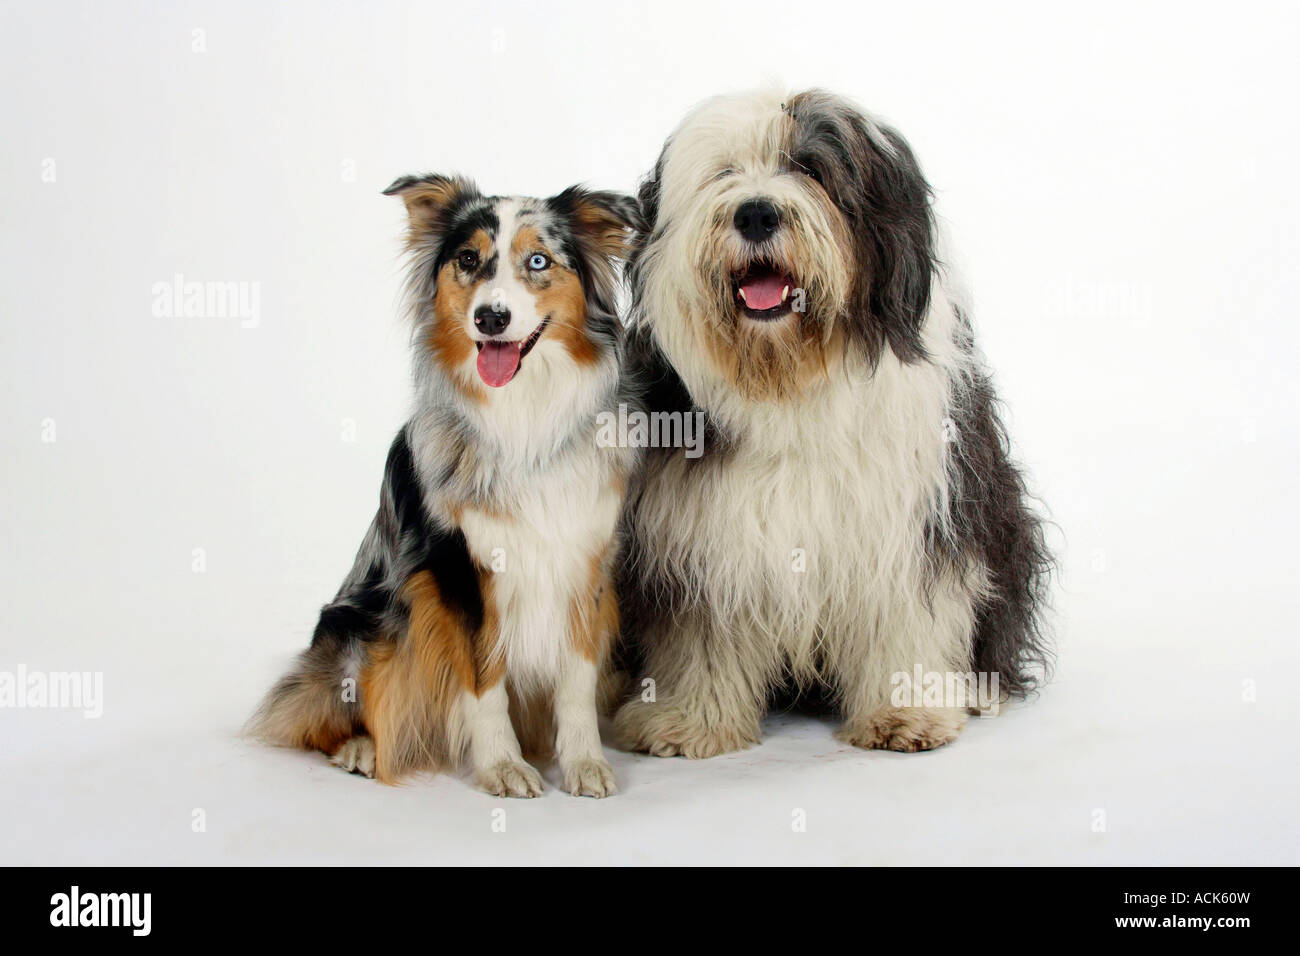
{"points": [[477, 615], [855, 521]]}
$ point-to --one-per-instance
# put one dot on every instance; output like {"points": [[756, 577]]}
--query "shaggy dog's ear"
{"points": [[601, 221], [648, 195], [647, 199], [871, 175], [895, 235], [431, 200]]}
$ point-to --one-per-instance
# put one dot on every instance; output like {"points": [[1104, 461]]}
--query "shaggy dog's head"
{"points": [[781, 232]]}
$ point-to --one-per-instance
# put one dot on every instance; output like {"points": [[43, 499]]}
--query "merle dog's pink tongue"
{"points": [[498, 362], [764, 291]]}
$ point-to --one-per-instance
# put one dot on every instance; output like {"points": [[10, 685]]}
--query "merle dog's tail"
{"points": [[314, 706]]}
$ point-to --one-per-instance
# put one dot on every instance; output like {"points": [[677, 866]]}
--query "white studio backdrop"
{"points": [[181, 493]]}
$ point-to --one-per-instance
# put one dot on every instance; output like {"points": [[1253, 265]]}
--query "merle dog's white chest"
{"points": [[542, 556]]}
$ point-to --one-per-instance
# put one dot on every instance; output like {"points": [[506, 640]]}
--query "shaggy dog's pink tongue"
{"points": [[498, 362], [763, 290]]}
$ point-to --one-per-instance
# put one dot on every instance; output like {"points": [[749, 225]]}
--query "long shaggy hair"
{"points": [[478, 612], [856, 514]]}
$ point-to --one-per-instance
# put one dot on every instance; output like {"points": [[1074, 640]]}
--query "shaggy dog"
{"points": [[855, 519]]}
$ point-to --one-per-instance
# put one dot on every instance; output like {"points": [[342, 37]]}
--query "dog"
{"points": [[855, 518], [479, 611]]}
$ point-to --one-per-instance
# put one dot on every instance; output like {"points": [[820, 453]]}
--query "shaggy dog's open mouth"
{"points": [[763, 290], [499, 361]]}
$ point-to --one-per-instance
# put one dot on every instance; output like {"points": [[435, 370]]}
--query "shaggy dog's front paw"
{"points": [[511, 779], [908, 729], [589, 777], [668, 731]]}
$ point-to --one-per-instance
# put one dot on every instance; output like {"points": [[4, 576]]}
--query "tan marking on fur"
{"points": [[409, 686], [613, 686], [564, 302], [593, 616], [771, 360], [327, 738], [493, 509], [448, 339], [425, 205], [456, 511], [525, 242], [619, 483], [606, 232], [533, 717], [489, 662], [559, 294]]}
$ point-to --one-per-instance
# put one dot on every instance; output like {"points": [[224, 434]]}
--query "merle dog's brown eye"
{"points": [[467, 259], [812, 172]]}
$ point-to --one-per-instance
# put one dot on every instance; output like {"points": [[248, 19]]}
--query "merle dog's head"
{"points": [[496, 280], [779, 233]]}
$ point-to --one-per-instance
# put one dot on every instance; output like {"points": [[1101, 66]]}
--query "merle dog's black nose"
{"points": [[490, 322], [756, 219]]}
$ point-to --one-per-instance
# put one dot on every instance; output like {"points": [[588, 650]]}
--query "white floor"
{"points": [[1176, 768]]}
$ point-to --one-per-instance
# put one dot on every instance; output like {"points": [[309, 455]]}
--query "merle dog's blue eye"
{"points": [[537, 262]]}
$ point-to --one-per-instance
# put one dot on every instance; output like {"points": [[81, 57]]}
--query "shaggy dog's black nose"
{"points": [[490, 322], [756, 219]]}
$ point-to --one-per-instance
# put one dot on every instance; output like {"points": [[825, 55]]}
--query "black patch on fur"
{"points": [[662, 390], [427, 544], [344, 620], [404, 484], [463, 224], [871, 175], [447, 559], [357, 611], [815, 696], [661, 387]]}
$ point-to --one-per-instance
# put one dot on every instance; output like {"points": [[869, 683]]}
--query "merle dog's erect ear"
{"points": [[602, 222], [431, 200]]}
